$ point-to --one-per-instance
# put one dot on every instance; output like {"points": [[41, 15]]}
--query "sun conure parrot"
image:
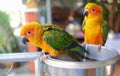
{"points": [[52, 39], [94, 26]]}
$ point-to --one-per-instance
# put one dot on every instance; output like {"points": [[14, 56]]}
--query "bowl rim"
{"points": [[80, 65]]}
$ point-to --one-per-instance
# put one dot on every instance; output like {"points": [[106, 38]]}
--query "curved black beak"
{"points": [[25, 40], [39, 49], [85, 13]]}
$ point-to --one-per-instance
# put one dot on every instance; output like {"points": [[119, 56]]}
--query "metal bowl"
{"points": [[105, 56]]}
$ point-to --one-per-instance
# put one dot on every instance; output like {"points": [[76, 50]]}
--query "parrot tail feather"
{"points": [[80, 57]]}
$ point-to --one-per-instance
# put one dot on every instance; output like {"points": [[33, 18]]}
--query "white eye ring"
{"points": [[28, 33], [93, 10]]}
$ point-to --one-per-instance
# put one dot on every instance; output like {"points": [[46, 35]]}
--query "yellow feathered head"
{"points": [[31, 32], [93, 10]]}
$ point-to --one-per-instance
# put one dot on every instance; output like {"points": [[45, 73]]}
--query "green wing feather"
{"points": [[58, 39], [105, 30]]}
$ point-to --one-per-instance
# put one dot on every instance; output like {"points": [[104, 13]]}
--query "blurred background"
{"points": [[65, 13]]}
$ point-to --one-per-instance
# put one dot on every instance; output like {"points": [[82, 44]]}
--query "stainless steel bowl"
{"points": [[105, 56]]}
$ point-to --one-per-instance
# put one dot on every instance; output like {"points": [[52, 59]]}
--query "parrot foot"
{"points": [[45, 57], [84, 44]]}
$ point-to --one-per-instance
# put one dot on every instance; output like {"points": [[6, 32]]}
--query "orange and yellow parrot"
{"points": [[52, 39], [94, 26]]}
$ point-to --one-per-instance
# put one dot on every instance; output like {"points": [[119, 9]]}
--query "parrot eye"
{"points": [[93, 10], [28, 33]]}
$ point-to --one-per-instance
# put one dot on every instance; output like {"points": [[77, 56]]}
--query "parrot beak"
{"points": [[85, 13], [39, 49], [25, 40]]}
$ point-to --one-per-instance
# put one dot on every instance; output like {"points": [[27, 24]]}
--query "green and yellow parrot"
{"points": [[52, 39], [94, 26]]}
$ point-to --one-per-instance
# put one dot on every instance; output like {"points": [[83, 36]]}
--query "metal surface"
{"points": [[38, 67], [105, 56], [18, 57], [21, 57], [48, 11]]}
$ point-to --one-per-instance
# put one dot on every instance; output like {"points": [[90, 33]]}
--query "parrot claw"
{"points": [[45, 57], [99, 47]]}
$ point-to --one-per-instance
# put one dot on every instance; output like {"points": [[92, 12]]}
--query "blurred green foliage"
{"points": [[8, 42]]}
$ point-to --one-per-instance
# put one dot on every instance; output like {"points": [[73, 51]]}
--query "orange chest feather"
{"points": [[46, 48], [93, 35]]}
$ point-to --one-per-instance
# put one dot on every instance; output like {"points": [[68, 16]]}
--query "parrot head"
{"points": [[31, 32], [92, 10]]}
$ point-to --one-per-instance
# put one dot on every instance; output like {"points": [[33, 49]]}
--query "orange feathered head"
{"points": [[92, 10], [31, 32]]}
